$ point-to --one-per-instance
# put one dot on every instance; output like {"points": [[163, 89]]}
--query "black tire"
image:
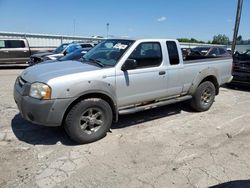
{"points": [[204, 96], [89, 120]]}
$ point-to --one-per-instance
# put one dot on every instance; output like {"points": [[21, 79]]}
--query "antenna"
{"points": [[107, 30]]}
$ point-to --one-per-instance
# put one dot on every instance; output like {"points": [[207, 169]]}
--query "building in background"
{"points": [[47, 40]]}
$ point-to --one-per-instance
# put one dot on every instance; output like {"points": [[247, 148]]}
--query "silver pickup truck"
{"points": [[116, 77]]}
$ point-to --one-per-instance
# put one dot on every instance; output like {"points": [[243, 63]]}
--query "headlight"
{"points": [[40, 91]]}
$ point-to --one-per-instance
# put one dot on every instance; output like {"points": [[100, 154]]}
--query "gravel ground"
{"points": [[165, 147]]}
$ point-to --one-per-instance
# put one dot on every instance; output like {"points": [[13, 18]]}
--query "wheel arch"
{"points": [[214, 80], [94, 94], [208, 74]]}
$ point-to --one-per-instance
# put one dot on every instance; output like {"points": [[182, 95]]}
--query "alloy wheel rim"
{"points": [[91, 120], [206, 96]]}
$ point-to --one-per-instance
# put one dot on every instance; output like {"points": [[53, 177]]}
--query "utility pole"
{"points": [[74, 26], [237, 24], [107, 30]]}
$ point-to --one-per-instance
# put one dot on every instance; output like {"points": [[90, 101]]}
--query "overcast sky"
{"points": [[199, 19]]}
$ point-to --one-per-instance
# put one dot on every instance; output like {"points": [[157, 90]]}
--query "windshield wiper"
{"points": [[86, 60], [96, 62]]}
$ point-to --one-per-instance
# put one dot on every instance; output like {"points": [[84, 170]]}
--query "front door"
{"points": [[147, 80]]}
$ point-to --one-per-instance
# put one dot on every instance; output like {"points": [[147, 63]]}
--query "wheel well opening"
{"points": [[214, 81], [93, 95]]}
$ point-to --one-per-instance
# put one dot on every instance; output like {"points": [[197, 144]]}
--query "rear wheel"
{"points": [[203, 97], [89, 120]]}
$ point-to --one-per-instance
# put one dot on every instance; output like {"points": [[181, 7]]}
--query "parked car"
{"points": [[229, 50], [207, 52], [16, 51], [76, 56], [59, 52], [87, 45], [241, 68], [116, 77]]}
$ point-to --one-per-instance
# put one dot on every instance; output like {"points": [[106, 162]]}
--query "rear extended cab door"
{"points": [[147, 81], [175, 79]]}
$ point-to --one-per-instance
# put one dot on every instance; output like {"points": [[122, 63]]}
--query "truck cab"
{"points": [[151, 61]]}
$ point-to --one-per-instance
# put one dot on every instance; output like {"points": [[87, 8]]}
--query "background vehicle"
{"points": [[241, 68], [87, 45], [116, 77], [59, 52], [16, 51], [206, 52], [76, 55]]}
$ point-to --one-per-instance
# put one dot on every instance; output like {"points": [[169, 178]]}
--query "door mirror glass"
{"points": [[129, 65]]}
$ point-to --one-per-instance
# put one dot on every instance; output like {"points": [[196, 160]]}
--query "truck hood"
{"points": [[55, 56], [46, 71]]}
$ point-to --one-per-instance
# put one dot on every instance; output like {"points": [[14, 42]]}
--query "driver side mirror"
{"points": [[65, 53], [129, 65]]}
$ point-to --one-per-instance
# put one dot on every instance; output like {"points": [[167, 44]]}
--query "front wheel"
{"points": [[203, 97], [89, 120]]}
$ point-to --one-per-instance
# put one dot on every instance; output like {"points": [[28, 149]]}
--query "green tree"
{"points": [[183, 40], [192, 40], [220, 39]]}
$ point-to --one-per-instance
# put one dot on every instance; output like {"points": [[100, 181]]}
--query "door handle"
{"points": [[162, 72], [6, 51]]}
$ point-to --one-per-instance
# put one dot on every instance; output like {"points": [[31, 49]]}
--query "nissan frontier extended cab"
{"points": [[116, 77]]}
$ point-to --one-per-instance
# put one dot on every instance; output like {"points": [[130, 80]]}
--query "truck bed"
{"points": [[220, 67], [207, 60]]}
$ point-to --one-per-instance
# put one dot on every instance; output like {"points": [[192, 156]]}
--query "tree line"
{"points": [[217, 39]]}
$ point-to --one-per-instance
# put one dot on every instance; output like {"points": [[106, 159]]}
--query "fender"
{"points": [[201, 76], [100, 89]]}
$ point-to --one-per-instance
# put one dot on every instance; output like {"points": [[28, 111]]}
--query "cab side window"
{"points": [[14, 44], [222, 51], [147, 54], [173, 53], [214, 52]]}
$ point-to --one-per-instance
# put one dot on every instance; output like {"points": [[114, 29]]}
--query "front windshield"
{"points": [[108, 52], [60, 48]]}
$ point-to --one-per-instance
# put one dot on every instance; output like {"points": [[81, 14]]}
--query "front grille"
{"points": [[242, 67]]}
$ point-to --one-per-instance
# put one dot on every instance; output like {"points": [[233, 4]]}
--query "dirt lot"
{"points": [[166, 147]]}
